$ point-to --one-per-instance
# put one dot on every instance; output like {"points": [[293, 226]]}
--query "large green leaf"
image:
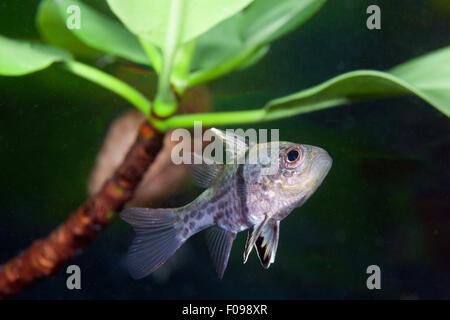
{"points": [[267, 20], [219, 44], [18, 58], [149, 19], [96, 31], [223, 43], [21, 57], [241, 40], [430, 75], [427, 77], [52, 27]]}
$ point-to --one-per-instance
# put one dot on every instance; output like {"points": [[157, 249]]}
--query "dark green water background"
{"points": [[385, 202]]}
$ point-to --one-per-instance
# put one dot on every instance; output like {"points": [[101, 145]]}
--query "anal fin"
{"points": [[267, 243], [253, 234], [219, 244]]}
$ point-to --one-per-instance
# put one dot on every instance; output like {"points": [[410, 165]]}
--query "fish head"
{"points": [[297, 171], [302, 168]]}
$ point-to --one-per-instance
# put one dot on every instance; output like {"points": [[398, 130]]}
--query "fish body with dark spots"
{"points": [[239, 196]]}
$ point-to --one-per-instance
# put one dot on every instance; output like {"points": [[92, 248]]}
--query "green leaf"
{"points": [[254, 57], [222, 43], [53, 30], [241, 40], [267, 20], [349, 87], [18, 58], [219, 44], [96, 30], [430, 76], [148, 19], [427, 77]]}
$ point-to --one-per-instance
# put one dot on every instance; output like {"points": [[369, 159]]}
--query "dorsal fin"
{"points": [[205, 170], [235, 145], [203, 174], [267, 243], [219, 244]]}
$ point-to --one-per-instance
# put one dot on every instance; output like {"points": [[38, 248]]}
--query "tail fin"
{"points": [[156, 240]]}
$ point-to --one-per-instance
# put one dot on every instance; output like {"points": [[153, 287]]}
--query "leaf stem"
{"points": [[211, 119], [109, 82], [153, 54], [165, 103], [181, 66]]}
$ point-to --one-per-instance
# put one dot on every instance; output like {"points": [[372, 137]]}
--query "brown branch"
{"points": [[45, 256], [162, 179]]}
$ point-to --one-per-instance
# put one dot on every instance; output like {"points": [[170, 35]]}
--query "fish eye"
{"points": [[293, 155]]}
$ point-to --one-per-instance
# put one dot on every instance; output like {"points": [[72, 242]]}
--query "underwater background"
{"points": [[386, 200]]}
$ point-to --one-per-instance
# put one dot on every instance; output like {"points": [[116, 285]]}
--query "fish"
{"points": [[239, 196]]}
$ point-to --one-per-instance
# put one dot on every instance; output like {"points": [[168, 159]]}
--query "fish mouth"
{"points": [[321, 164]]}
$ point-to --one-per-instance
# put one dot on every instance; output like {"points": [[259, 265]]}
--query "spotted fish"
{"points": [[238, 197]]}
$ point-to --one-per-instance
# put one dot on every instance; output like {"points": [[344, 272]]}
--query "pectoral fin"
{"points": [[219, 244], [253, 234], [267, 243]]}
